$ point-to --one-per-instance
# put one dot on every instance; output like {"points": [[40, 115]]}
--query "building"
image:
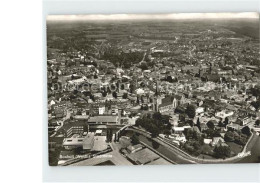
{"points": [[73, 142], [224, 113], [106, 120], [77, 127], [59, 105], [88, 142], [178, 130], [143, 156], [134, 148], [243, 121], [166, 107], [207, 141], [60, 112], [114, 109], [101, 110], [170, 103], [76, 141], [81, 117], [216, 140], [99, 144]]}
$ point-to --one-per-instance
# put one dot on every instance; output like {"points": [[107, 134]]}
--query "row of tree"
{"points": [[155, 123], [236, 137]]}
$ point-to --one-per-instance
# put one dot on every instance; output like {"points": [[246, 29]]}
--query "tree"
{"points": [[144, 107], [131, 87], [210, 125], [137, 100], [169, 79], [142, 99], [190, 133], [256, 104], [190, 111], [122, 87], [241, 139], [198, 124], [154, 123], [143, 66], [220, 124], [92, 97], [246, 130], [257, 122], [190, 122], [226, 121], [256, 91], [154, 131], [113, 87], [167, 132], [104, 93], [108, 90], [157, 116], [155, 144], [114, 94], [229, 136], [134, 139], [138, 122], [222, 151], [142, 84], [125, 96]]}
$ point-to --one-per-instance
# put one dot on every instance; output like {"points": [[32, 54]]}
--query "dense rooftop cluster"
{"points": [[198, 86]]}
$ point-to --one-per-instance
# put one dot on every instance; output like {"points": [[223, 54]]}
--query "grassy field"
{"points": [[235, 148]]}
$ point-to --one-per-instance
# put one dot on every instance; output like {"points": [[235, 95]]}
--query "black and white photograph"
{"points": [[153, 89], [90, 89]]}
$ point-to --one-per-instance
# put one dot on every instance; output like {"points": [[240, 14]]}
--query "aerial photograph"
{"points": [[153, 89]]}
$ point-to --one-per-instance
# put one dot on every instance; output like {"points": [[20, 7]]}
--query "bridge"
{"points": [[118, 133]]}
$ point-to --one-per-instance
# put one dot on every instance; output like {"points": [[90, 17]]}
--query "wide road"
{"points": [[254, 147]]}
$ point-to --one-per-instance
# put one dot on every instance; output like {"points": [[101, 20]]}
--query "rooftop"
{"points": [[88, 141], [103, 119], [143, 156], [159, 161], [99, 143]]}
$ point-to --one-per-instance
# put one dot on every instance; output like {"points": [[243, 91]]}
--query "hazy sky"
{"points": [[152, 16]]}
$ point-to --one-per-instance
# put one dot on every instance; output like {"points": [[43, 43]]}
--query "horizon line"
{"points": [[172, 16]]}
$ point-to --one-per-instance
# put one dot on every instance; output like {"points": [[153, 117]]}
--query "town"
{"points": [[153, 92]]}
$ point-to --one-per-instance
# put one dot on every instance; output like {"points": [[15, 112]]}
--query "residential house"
{"points": [[216, 140]]}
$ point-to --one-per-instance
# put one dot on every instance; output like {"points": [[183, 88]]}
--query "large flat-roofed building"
{"points": [[99, 143], [73, 142], [113, 120], [77, 127], [76, 141], [81, 117], [88, 141]]}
